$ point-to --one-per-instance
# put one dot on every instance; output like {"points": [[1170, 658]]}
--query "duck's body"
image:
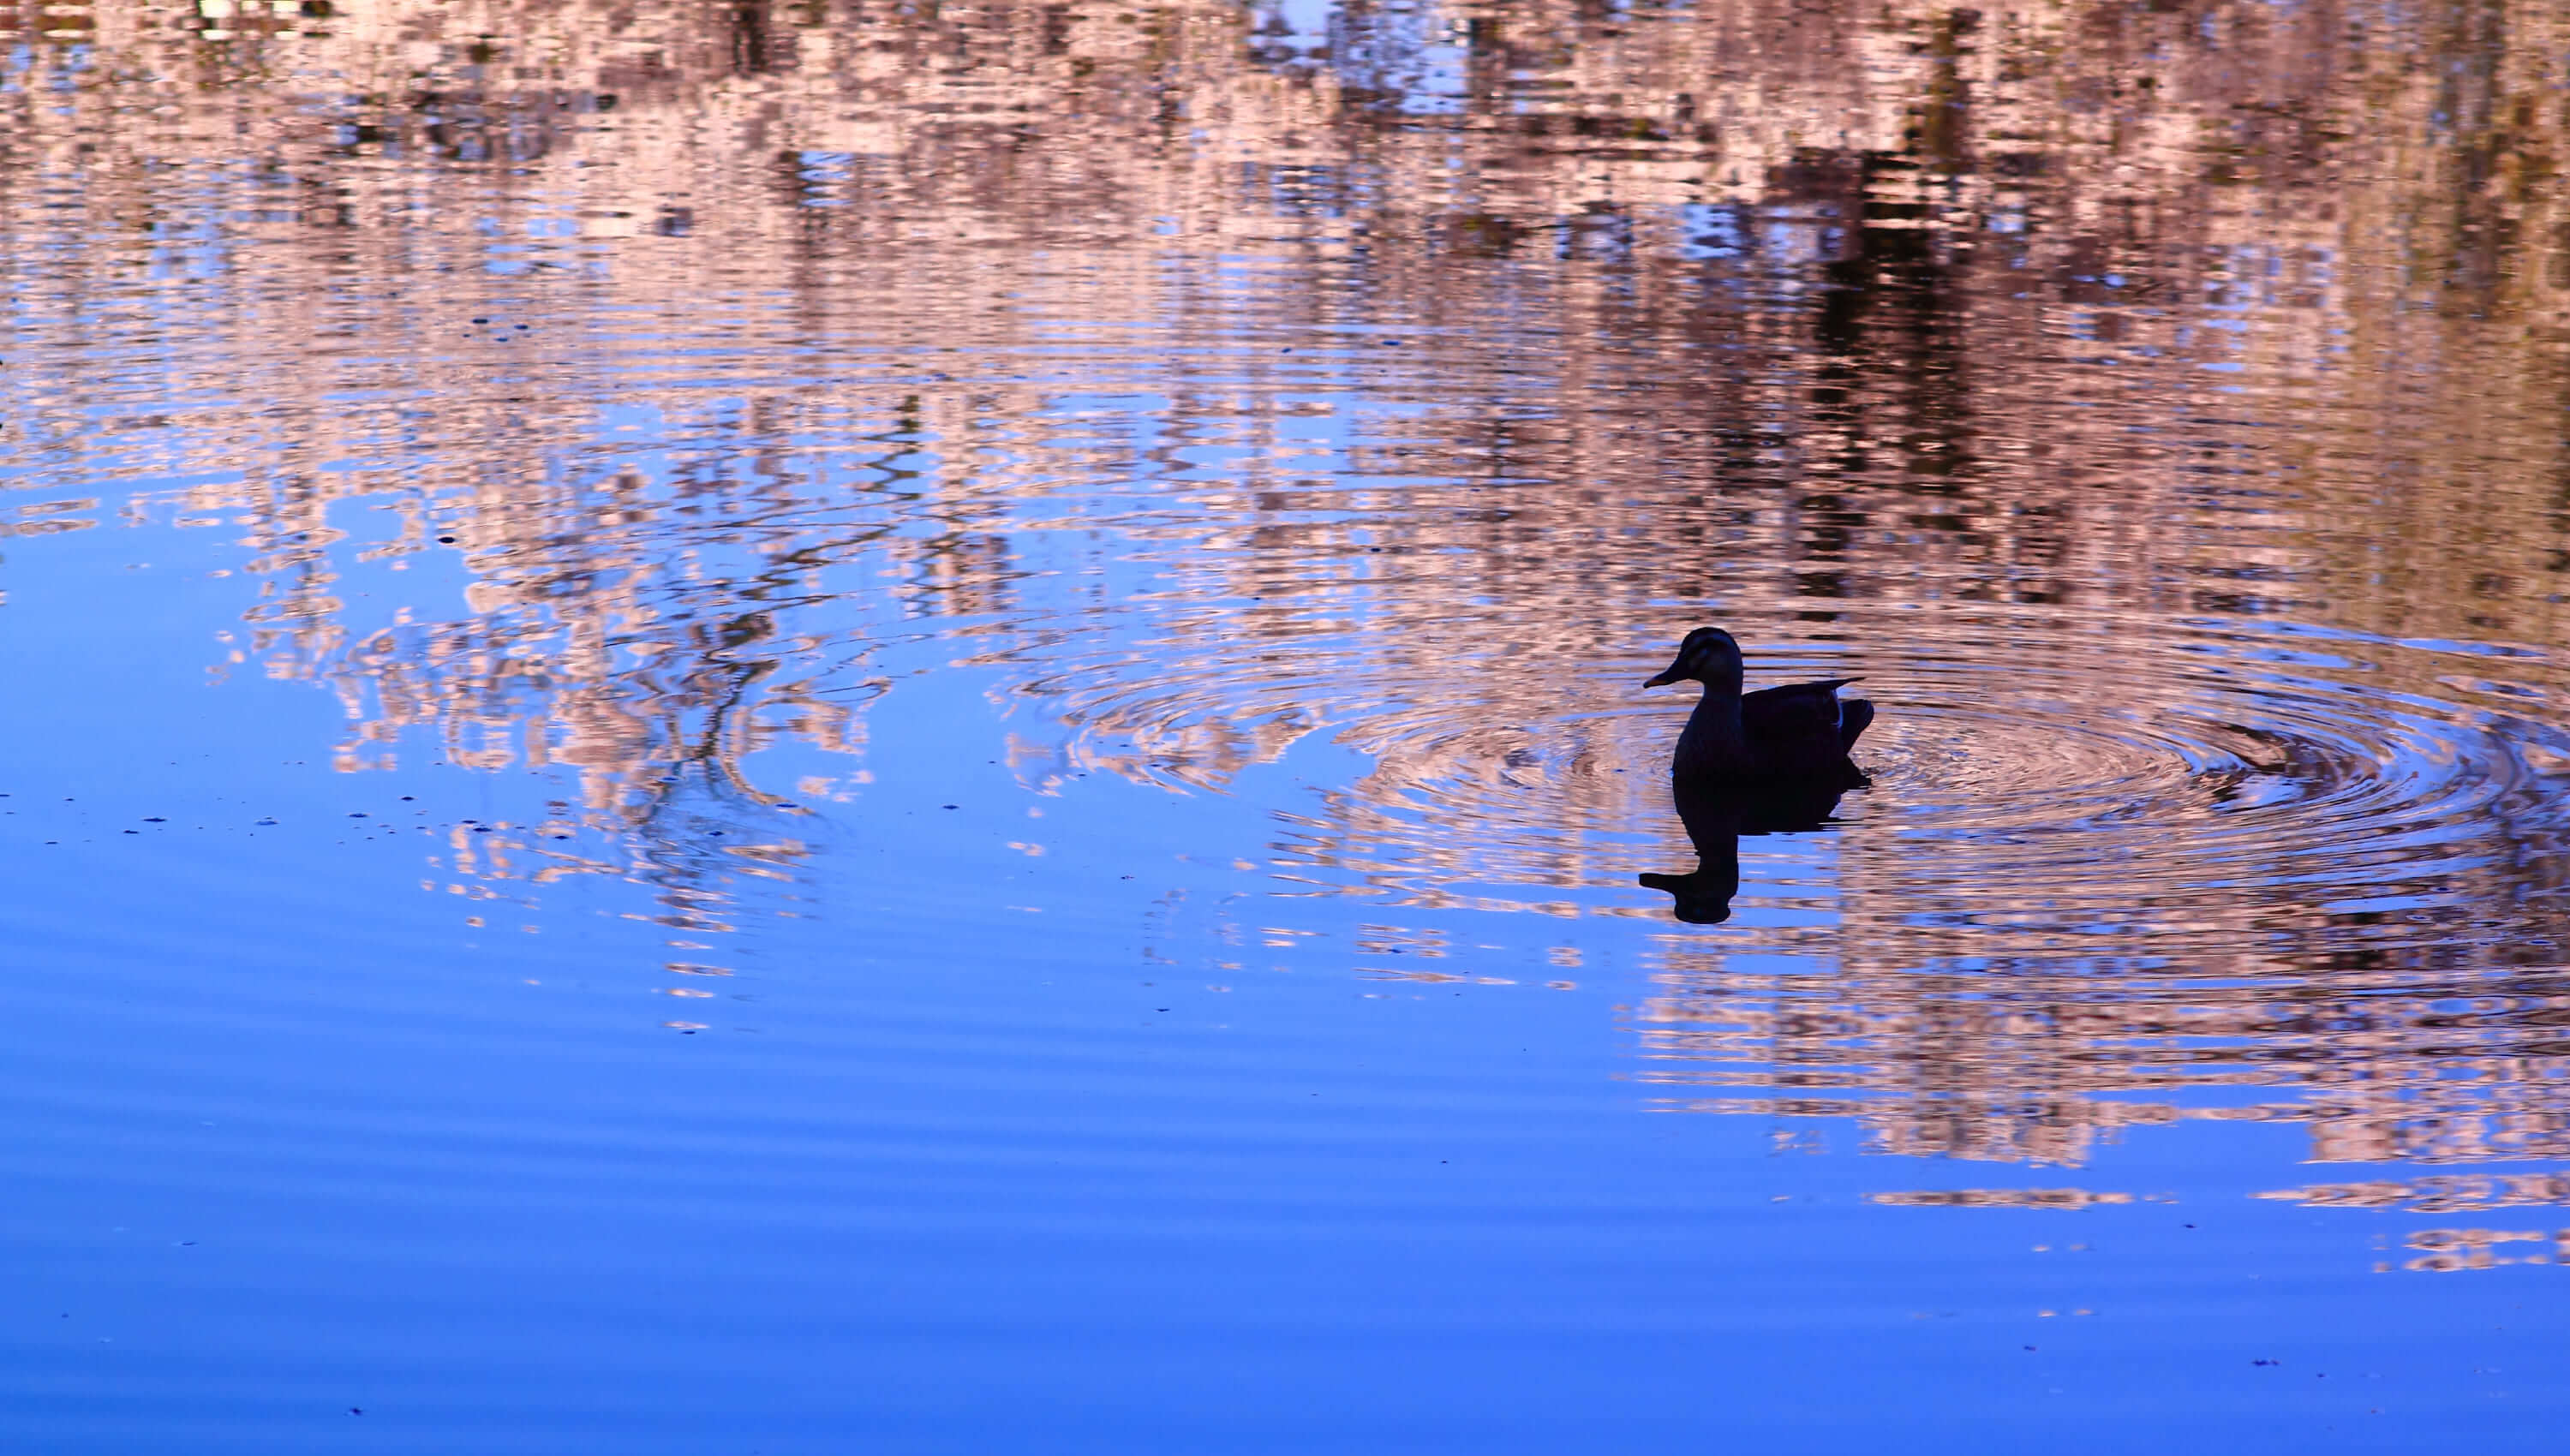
{"points": [[1777, 735]]}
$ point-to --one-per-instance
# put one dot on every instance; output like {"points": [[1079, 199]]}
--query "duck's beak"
{"points": [[1666, 678]]}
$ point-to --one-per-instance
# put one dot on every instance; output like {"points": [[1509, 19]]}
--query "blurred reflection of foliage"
{"points": [[729, 353], [1823, 276]]}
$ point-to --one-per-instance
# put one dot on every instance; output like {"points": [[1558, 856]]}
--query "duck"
{"points": [[1798, 734]]}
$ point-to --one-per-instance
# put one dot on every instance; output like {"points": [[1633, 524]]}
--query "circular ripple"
{"points": [[2052, 774]]}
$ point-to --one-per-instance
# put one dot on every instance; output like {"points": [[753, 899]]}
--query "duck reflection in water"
{"points": [[1717, 814], [1769, 762]]}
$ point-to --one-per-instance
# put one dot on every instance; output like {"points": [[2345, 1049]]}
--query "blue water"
{"points": [[975, 1150], [733, 731]]}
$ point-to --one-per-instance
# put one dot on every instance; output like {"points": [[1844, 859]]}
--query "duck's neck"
{"points": [[1713, 731]]}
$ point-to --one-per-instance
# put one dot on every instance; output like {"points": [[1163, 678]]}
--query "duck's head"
{"points": [[1709, 654]]}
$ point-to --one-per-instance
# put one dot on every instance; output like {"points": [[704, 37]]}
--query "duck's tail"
{"points": [[1855, 715]]}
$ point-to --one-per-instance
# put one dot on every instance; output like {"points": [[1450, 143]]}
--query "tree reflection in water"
{"points": [[2161, 406]]}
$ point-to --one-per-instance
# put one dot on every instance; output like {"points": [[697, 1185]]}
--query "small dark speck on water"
{"points": [[945, 806], [154, 818]]}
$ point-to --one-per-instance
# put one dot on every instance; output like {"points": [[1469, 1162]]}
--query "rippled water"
{"points": [[803, 728]]}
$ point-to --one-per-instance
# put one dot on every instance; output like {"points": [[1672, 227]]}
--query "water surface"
{"points": [[822, 727]]}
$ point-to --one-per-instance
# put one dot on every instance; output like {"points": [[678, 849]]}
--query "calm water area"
{"points": [[766, 727]]}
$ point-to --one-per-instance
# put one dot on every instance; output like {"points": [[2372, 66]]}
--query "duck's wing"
{"points": [[1802, 708], [1804, 727]]}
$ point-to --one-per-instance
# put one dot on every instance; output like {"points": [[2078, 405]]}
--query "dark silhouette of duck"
{"points": [[1769, 762], [1777, 735]]}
